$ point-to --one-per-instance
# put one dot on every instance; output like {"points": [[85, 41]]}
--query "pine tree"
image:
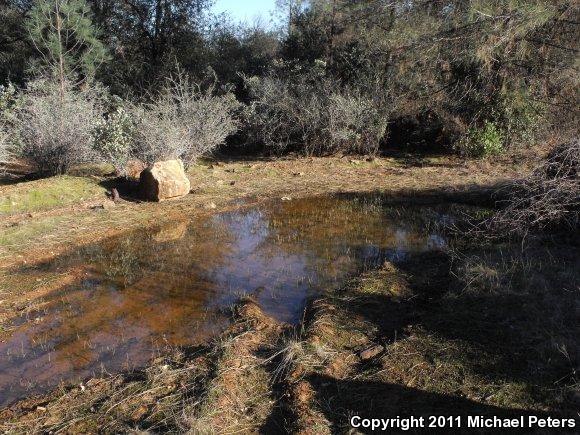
{"points": [[63, 32]]}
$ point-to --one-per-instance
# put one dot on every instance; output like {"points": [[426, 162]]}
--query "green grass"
{"points": [[18, 235], [46, 194]]}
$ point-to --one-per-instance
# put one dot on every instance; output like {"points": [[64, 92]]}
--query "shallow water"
{"points": [[135, 295]]}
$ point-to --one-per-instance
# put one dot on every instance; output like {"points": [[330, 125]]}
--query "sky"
{"points": [[245, 10]]}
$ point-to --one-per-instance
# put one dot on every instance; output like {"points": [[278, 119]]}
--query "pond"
{"points": [[136, 295]]}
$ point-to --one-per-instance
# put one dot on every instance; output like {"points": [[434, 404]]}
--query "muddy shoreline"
{"points": [[369, 340]]}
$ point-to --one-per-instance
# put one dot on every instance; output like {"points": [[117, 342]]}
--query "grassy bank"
{"points": [[44, 218]]}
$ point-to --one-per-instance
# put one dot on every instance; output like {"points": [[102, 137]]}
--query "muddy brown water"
{"points": [[136, 295]]}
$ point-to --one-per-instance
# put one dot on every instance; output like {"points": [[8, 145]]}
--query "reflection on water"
{"points": [[168, 286]]}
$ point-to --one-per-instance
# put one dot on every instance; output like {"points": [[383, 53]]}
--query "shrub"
{"points": [[306, 112], [56, 125], [114, 138], [8, 103], [519, 117], [548, 198], [482, 141], [183, 122], [355, 124], [4, 149]]}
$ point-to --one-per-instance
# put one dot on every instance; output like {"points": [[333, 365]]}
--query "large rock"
{"points": [[164, 180]]}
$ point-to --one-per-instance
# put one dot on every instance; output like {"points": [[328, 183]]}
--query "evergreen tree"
{"points": [[63, 33]]}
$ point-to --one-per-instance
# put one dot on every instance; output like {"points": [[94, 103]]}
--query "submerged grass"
{"points": [[419, 338]]}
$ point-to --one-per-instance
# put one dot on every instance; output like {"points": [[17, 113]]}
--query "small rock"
{"points": [[371, 352], [210, 205], [355, 162], [232, 183], [41, 408], [286, 198], [104, 206], [115, 195]]}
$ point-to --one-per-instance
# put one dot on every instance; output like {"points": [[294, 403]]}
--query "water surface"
{"points": [[135, 295]]}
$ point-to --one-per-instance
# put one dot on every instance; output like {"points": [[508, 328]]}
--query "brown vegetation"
{"points": [[408, 340]]}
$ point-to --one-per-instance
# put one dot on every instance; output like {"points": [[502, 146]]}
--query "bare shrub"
{"points": [[355, 124], [4, 150], [56, 125], [9, 103], [308, 113], [548, 198], [183, 122]]}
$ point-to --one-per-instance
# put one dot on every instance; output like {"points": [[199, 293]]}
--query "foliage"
{"points": [[148, 38], [15, 48], [9, 103], [462, 60], [482, 141], [441, 66], [56, 125], [62, 31], [4, 148], [233, 48], [519, 116], [183, 122], [114, 138], [305, 111]]}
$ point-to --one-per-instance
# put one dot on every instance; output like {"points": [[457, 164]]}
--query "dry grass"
{"points": [[491, 333], [224, 388], [501, 344], [446, 344], [58, 226], [239, 398]]}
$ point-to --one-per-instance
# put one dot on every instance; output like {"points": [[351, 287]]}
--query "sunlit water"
{"points": [[138, 294]]}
